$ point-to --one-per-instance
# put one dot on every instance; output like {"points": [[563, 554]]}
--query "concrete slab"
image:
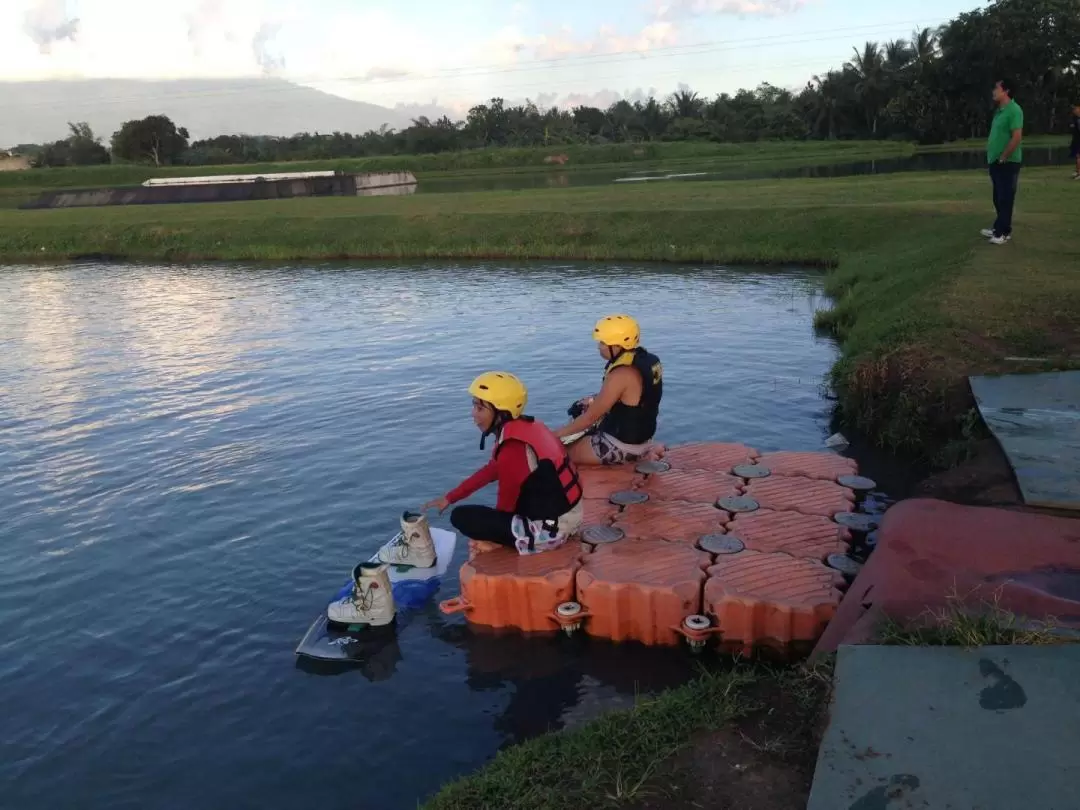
{"points": [[1036, 420], [941, 728]]}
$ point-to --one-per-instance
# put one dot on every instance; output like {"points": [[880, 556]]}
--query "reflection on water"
{"points": [[756, 170], [193, 458]]}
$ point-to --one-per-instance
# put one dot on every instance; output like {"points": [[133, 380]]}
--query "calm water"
{"points": [[759, 170], [191, 460]]}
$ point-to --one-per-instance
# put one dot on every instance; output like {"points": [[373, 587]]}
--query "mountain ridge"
{"points": [[38, 112]]}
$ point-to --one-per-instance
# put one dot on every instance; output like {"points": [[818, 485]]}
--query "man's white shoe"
{"points": [[371, 601], [999, 240], [413, 547], [987, 232]]}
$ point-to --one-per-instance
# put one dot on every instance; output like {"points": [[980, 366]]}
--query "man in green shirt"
{"points": [[1004, 155]]}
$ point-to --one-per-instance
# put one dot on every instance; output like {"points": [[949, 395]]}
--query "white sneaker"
{"points": [[999, 240], [414, 547], [987, 232], [371, 601]]}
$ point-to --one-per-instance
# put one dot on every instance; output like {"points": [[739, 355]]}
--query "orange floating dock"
{"points": [[715, 544]]}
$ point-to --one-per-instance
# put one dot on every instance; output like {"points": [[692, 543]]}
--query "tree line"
{"points": [[931, 88]]}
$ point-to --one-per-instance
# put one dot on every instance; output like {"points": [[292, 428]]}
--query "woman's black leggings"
{"points": [[484, 523]]}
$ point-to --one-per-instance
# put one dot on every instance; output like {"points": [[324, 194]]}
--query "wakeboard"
{"points": [[412, 588]]}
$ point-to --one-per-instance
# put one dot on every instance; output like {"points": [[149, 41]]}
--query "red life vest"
{"points": [[553, 488]]}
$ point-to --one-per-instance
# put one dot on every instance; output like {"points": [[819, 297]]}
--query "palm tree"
{"points": [[924, 46], [871, 79], [686, 104], [898, 55], [653, 118], [826, 102]]}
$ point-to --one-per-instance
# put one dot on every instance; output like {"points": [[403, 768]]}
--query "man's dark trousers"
{"points": [[1006, 180]]}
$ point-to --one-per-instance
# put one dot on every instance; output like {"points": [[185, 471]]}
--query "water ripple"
{"points": [[193, 458]]}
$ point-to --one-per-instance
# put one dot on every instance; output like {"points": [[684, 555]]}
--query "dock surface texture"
{"points": [[719, 544], [914, 728]]}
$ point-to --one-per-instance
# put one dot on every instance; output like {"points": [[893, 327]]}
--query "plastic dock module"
{"points": [[673, 521], [504, 589], [598, 512], [770, 599], [715, 457], [660, 551], [810, 536], [695, 486], [796, 494], [600, 482], [641, 591], [826, 466]]}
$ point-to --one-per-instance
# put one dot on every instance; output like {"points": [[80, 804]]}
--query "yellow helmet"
{"points": [[502, 390], [618, 330]]}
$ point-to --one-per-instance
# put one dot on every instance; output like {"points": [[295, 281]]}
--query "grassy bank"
{"points": [[975, 144], [807, 152], [760, 728], [921, 300]]}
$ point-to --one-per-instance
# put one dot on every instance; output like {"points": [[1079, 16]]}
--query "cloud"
{"points": [[432, 110], [47, 21], [601, 99], [386, 73], [670, 9], [510, 45], [207, 17], [260, 46]]}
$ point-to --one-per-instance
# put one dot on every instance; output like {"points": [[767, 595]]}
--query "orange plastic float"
{"points": [[695, 486], [642, 575], [640, 591], [826, 466], [773, 599], [674, 521], [598, 511], [796, 494], [711, 456], [600, 482], [809, 536], [504, 589]]}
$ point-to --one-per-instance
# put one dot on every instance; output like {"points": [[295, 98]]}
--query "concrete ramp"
{"points": [[1036, 420], [929, 728]]}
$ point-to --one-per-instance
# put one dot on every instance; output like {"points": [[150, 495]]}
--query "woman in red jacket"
{"points": [[539, 502]]}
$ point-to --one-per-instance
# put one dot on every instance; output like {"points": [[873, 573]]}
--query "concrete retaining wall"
{"points": [[341, 185]]}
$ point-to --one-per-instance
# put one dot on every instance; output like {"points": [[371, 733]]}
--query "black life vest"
{"points": [[553, 488], [636, 424]]}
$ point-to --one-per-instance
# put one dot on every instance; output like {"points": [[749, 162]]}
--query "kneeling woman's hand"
{"points": [[438, 503]]}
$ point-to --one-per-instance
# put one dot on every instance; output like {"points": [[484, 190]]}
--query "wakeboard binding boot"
{"points": [[371, 602], [414, 547]]}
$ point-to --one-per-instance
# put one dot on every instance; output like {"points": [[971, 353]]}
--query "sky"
{"points": [[456, 54]]}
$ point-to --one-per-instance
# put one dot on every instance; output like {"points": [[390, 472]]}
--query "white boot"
{"points": [[413, 547], [371, 601]]}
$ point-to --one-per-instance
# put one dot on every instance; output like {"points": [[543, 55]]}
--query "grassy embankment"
{"points": [[675, 156], [745, 737], [452, 167], [921, 299], [501, 159]]}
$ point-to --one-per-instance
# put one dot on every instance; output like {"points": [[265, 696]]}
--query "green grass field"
{"points": [[921, 299], [482, 160]]}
